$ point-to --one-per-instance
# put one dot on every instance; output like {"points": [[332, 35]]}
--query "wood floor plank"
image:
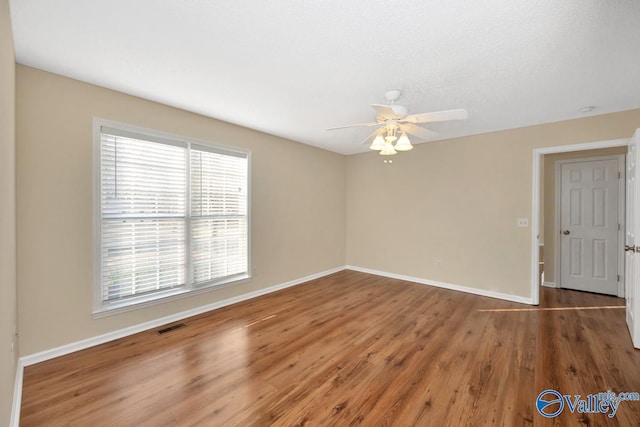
{"points": [[350, 349]]}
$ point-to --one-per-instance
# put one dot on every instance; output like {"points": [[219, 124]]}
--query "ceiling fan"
{"points": [[394, 119]]}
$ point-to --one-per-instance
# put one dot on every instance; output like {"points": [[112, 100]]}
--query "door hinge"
{"points": [[618, 277], [619, 175], [619, 227]]}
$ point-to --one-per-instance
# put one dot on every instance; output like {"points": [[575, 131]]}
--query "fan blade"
{"points": [[390, 112], [437, 116], [370, 138], [422, 133], [353, 126], [383, 110]]}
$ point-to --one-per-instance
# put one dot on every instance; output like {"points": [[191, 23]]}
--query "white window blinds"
{"points": [[218, 215], [173, 216]]}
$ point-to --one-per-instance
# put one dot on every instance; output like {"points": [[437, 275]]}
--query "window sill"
{"points": [[164, 297]]}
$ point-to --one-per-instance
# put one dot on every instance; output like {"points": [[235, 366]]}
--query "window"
{"points": [[172, 216]]}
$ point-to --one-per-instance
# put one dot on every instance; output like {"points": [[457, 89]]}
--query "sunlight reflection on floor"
{"points": [[605, 307]]}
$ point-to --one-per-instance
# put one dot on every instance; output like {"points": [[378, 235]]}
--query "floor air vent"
{"points": [[170, 328]]}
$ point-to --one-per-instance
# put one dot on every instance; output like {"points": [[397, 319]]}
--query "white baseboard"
{"points": [[453, 287], [17, 396], [549, 284], [121, 333]]}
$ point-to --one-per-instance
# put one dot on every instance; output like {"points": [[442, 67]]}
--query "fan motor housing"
{"points": [[399, 110]]}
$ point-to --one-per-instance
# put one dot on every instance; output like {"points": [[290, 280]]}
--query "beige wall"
{"points": [[447, 210], [8, 319], [549, 197], [298, 205]]}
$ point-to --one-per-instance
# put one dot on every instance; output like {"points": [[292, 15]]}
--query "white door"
{"points": [[632, 257], [589, 225]]}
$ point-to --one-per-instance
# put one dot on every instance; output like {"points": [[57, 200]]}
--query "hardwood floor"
{"points": [[350, 349]]}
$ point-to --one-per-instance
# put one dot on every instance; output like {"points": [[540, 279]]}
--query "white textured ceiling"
{"points": [[294, 68]]}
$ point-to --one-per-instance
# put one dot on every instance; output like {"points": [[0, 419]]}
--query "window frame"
{"points": [[101, 309]]}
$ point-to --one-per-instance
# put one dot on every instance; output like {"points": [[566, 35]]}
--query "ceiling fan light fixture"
{"points": [[388, 150], [390, 139], [393, 123], [403, 144], [378, 143]]}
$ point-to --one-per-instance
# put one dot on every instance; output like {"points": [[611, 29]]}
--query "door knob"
{"points": [[566, 232]]}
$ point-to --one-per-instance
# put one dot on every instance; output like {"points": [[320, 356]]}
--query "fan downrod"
{"points": [[393, 95]]}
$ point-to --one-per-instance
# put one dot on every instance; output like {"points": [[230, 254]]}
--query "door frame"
{"points": [[622, 181], [537, 162]]}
